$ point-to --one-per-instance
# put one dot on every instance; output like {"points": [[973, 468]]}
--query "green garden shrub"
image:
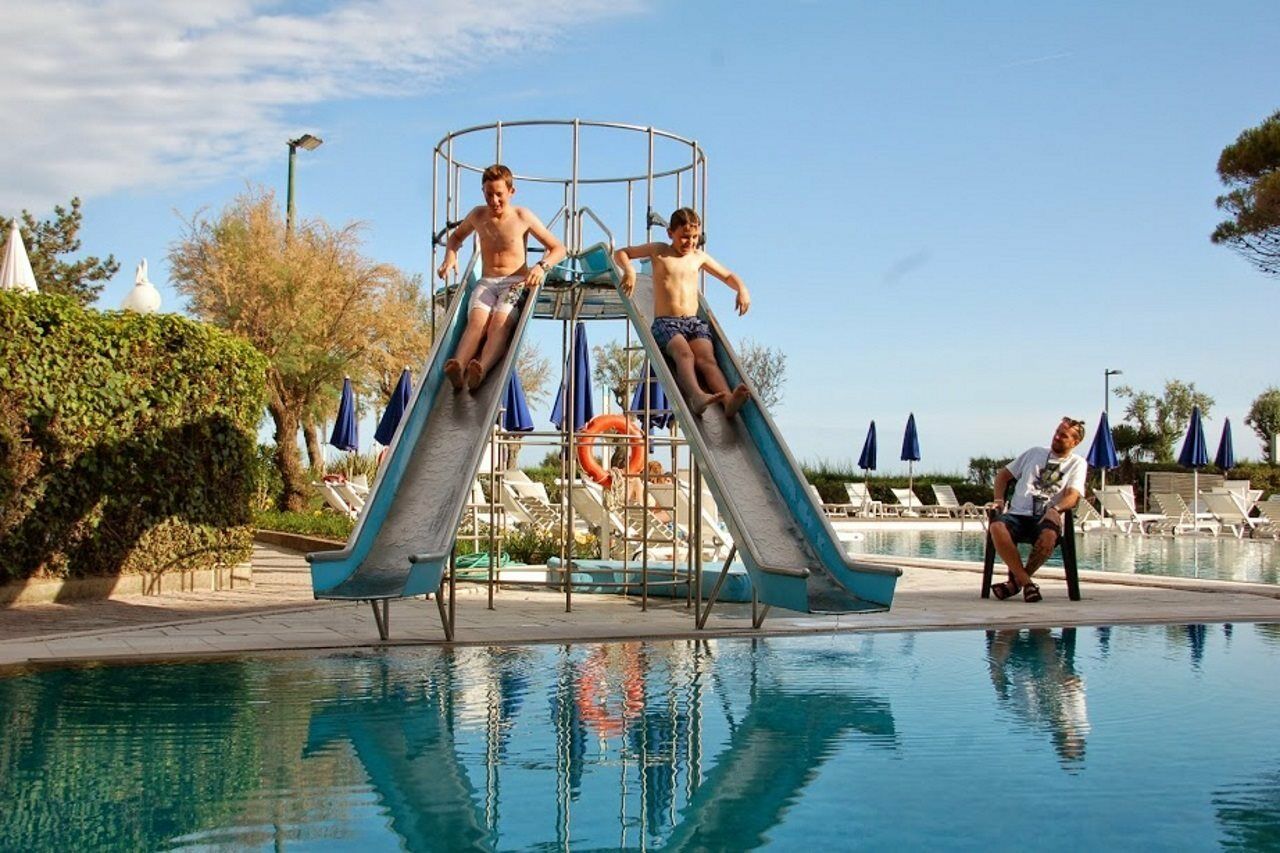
{"points": [[126, 441]]}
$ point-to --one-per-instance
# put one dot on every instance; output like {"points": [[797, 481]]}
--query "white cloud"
{"points": [[119, 94]]}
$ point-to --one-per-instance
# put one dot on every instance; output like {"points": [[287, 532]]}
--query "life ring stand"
{"points": [[599, 425]]}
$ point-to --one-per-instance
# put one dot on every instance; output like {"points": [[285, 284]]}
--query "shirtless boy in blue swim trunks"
{"points": [[504, 230], [678, 329]]}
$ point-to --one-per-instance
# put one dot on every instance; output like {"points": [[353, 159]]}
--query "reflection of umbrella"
{"points": [[15, 272], [1194, 455], [515, 409], [395, 410], [1226, 458], [344, 428], [867, 460], [1102, 453], [910, 455], [583, 408], [660, 414]]}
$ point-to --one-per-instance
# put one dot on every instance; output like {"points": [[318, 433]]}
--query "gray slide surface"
{"points": [[404, 537], [780, 530]]}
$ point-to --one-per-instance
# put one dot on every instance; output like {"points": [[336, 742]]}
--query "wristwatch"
{"points": [[542, 265]]}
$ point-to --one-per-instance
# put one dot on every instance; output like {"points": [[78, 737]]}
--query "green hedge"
{"points": [[126, 441]]}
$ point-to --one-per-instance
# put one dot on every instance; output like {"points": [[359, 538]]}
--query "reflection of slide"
{"points": [[407, 749], [785, 540], [402, 541], [776, 751]]}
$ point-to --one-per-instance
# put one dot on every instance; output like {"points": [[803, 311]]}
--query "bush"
{"points": [[534, 548], [317, 522], [126, 441]]}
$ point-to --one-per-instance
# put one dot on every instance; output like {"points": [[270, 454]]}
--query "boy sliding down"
{"points": [[504, 230], [681, 334]]}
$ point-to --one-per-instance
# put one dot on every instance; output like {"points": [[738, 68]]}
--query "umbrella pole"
{"points": [[911, 486]]}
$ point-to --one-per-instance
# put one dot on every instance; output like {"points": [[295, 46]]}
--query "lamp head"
{"points": [[306, 142]]}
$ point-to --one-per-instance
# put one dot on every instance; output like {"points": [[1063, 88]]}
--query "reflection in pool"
{"points": [[1211, 557], [1149, 736]]}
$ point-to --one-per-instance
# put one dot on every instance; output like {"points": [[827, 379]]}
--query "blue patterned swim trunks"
{"points": [[690, 328]]}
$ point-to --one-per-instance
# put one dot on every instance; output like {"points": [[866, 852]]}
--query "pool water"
{"points": [[1138, 737], [1212, 557]]}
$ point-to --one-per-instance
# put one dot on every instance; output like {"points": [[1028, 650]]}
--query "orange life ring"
{"points": [[609, 423]]}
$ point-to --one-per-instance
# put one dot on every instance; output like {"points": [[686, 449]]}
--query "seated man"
{"points": [[1050, 480]]}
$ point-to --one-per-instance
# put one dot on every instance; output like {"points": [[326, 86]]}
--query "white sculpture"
{"points": [[144, 298]]}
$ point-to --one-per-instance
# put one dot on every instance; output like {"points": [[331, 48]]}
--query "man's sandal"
{"points": [[1005, 589], [1031, 593]]}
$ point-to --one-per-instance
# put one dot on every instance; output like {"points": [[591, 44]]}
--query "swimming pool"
{"points": [[1146, 737], [1211, 557]]}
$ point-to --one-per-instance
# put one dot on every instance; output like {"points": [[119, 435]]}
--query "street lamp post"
{"points": [[1107, 373], [307, 142]]}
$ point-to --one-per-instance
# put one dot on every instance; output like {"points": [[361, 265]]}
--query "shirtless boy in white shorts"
{"points": [[504, 229], [677, 328]]}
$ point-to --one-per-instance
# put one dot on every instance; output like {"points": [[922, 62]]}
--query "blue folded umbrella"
{"points": [[396, 406], [1194, 453], [867, 461], [1102, 453], [911, 441], [515, 412], [660, 414], [1226, 458], [580, 365], [344, 435]]}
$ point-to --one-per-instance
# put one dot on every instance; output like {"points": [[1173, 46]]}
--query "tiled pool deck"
{"points": [[278, 613]]}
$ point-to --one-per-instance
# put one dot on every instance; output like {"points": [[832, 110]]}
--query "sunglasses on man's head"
{"points": [[1072, 422]]}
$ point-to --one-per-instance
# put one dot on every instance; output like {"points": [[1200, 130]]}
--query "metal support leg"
{"points": [[446, 616], [715, 590], [382, 618], [757, 613]]}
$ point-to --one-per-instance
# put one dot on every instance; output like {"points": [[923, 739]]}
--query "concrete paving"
{"points": [[279, 614]]}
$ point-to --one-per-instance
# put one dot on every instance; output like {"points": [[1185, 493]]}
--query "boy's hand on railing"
{"points": [[450, 263], [628, 283]]}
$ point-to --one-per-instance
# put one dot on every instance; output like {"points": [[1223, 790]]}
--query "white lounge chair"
{"points": [[1119, 505], [1227, 510], [1269, 516], [912, 505], [335, 499], [527, 503], [1181, 516], [862, 502], [829, 509], [946, 497]]}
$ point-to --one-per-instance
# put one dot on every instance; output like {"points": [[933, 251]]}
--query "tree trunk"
{"points": [[315, 451], [288, 459]]}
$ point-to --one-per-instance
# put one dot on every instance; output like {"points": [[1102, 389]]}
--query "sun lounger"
{"points": [[946, 497], [860, 498], [335, 499], [526, 502], [913, 506], [829, 509], [1227, 510], [1087, 517], [1118, 504], [1269, 516], [1181, 516]]}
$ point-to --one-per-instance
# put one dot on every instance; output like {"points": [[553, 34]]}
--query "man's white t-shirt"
{"points": [[1042, 477]]}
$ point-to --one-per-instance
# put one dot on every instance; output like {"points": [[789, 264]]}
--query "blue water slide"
{"points": [[785, 540], [403, 539]]}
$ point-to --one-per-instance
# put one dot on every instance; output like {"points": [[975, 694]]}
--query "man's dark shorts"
{"points": [[1026, 529], [691, 328]]}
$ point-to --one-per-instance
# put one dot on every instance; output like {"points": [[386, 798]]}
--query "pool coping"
{"points": [[940, 598]]}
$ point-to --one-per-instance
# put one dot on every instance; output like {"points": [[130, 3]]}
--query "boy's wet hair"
{"points": [[684, 216], [498, 172]]}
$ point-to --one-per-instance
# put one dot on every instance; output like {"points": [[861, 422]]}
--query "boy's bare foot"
{"points": [[453, 370], [699, 405], [475, 374], [736, 400]]}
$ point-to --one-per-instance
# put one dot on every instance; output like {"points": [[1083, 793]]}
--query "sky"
{"points": [[965, 211]]}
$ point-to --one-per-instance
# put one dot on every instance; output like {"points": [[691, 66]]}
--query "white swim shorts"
{"points": [[497, 293]]}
